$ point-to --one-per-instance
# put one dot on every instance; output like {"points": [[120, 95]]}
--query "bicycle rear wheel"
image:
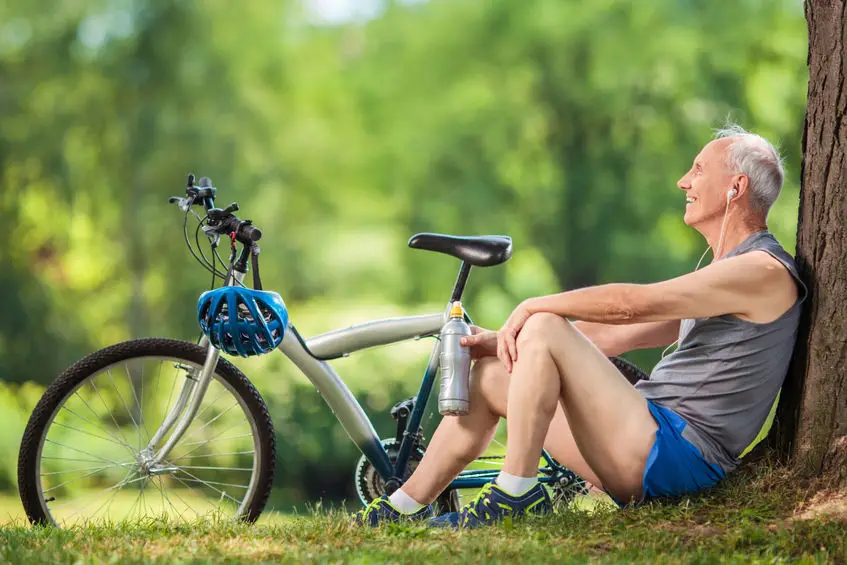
{"points": [[83, 456]]}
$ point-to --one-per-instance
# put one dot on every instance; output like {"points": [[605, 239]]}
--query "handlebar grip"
{"points": [[251, 233]]}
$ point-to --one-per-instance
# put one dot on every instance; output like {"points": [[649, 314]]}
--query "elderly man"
{"points": [[735, 322]]}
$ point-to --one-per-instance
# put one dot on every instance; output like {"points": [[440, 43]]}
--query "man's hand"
{"points": [[483, 343], [507, 347]]}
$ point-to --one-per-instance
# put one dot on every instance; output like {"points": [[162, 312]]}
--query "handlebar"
{"points": [[244, 231], [220, 221]]}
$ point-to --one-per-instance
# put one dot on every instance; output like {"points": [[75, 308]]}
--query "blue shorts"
{"points": [[675, 466]]}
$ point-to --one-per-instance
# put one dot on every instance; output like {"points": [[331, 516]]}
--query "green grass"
{"points": [[749, 519]]}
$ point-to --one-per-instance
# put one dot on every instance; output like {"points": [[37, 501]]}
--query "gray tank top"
{"points": [[726, 372]]}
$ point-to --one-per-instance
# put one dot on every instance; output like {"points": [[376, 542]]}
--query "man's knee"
{"points": [[541, 328]]}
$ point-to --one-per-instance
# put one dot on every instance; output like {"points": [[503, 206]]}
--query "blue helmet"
{"points": [[258, 327]]}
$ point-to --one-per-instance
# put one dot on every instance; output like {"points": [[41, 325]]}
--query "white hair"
{"points": [[753, 155]]}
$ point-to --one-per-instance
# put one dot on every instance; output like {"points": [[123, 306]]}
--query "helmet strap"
{"points": [[254, 263]]}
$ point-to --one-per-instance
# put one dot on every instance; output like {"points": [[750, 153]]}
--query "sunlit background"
{"points": [[342, 128]]}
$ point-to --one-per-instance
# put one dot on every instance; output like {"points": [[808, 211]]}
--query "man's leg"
{"points": [[609, 420], [460, 440]]}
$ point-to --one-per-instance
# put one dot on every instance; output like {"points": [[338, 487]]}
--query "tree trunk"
{"points": [[812, 425]]}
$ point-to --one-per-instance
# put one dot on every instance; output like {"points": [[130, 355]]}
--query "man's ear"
{"points": [[740, 183]]}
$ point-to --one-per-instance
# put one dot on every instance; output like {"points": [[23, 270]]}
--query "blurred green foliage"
{"points": [[564, 124]]}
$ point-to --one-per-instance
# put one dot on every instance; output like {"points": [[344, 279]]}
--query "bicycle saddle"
{"points": [[480, 251]]}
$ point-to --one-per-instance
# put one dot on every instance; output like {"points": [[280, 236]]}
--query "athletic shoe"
{"points": [[381, 511], [492, 504]]}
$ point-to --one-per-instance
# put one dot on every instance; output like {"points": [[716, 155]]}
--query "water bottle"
{"points": [[453, 395]]}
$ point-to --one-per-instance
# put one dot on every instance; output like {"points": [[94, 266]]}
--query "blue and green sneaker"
{"points": [[381, 511], [492, 504]]}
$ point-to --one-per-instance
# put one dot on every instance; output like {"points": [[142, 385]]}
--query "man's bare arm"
{"points": [[754, 286], [614, 339]]}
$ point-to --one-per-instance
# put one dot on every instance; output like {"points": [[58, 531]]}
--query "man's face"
{"points": [[707, 183]]}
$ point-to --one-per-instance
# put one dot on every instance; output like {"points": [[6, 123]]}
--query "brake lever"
{"points": [[183, 203], [213, 236], [218, 215]]}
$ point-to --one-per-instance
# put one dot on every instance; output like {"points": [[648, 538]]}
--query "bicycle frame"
{"points": [[310, 356]]}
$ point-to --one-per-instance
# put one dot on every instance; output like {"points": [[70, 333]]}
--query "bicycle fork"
{"points": [[185, 409]]}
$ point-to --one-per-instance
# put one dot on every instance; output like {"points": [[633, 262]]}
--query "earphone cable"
{"points": [[729, 196]]}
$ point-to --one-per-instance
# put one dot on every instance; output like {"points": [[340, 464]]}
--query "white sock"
{"points": [[404, 503], [515, 485]]}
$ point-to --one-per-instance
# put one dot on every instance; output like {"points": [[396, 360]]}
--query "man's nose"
{"points": [[683, 183]]}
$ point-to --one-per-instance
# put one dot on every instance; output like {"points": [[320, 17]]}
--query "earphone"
{"points": [[730, 194]]}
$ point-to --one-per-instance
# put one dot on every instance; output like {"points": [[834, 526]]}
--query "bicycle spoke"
{"points": [[158, 376], [70, 459], [141, 409], [210, 440], [195, 478], [138, 427], [109, 432], [497, 443], [120, 396], [207, 424], [90, 434], [212, 403], [109, 410], [81, 451], [137, 403], [131, 508], [170, 396], [74, 470], [107, 503], [143, 497], [117, 486], [45, 491], [252, 451], [223, 494], [158, 485], [217, 468], [189, 487], [166, 498]]}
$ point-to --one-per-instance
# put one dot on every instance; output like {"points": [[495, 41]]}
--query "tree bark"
{"points": [[812, 419]]}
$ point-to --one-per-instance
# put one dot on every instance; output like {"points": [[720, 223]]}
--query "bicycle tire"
{"points": [[29, 480]]}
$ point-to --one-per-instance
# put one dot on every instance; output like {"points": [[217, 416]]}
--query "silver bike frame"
{"points": [[337, 343], [310, 357]]}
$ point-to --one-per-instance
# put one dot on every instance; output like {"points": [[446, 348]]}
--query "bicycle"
{"points": [[88, 453]]}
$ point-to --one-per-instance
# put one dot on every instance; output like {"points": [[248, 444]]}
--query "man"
{"points": [[682, 430]]}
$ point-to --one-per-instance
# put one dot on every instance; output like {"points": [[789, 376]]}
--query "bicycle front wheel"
{"points": [[85, 458]]}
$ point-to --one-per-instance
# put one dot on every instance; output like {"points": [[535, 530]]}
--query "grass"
{"points": [[748, 519]]}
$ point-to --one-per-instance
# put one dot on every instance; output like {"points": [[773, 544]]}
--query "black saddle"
{"points": [[480, 250]]}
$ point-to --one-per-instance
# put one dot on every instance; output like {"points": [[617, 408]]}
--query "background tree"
{"points": [[562, 123], [814, 410]]}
